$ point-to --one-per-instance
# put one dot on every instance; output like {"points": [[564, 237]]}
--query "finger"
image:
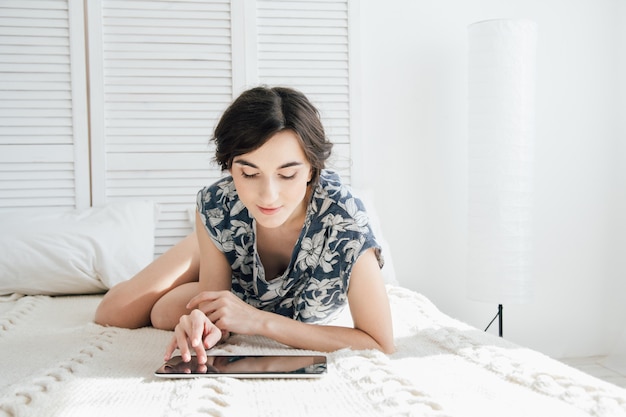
{"points": [[202, 297], [200, 325], [207, 306], [181, 341], [214, 316], [213, 337], [197, 328], [200, 353]]}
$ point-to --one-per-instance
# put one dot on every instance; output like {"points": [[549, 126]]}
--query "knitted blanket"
{"points": [[56, 362]]}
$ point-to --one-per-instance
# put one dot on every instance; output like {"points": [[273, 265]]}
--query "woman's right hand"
{"points": [[193, 331]]}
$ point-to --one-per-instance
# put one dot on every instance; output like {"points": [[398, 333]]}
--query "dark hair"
{"points": [[261, 112]]}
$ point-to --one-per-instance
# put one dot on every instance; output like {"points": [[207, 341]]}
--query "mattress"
{"points": [[57, 362]]}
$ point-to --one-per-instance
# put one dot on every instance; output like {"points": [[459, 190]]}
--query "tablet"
{"points": [[246, 366]]}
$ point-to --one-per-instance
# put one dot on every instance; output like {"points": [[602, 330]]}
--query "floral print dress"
{"points": [[314, 286]]}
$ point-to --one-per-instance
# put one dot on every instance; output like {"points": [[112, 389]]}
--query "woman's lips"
{"points": [[268, 211]]}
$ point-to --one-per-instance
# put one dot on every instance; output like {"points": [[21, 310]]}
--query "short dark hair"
{"points": [[261, 112]]}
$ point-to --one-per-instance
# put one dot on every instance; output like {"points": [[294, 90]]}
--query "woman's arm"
{"points": [[370, 310], [129, 304], [369, 306], [212, 271]]}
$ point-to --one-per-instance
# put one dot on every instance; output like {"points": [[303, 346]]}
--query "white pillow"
{"points": [[75, 252]]}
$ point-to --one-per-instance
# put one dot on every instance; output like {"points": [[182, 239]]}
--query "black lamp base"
{"points": [[499, 317]]}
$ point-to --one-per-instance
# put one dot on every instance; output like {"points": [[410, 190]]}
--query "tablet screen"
{"points": [[246, 366]]}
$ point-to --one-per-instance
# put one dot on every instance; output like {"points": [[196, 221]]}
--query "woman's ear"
{"points": [[311, 174]]}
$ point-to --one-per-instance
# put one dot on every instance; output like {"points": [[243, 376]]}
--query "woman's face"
{"points": [[272, 180]]}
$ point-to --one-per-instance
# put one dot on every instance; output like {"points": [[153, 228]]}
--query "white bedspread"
{"points": [[56, 362]]}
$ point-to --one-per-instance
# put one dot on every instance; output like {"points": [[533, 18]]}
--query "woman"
{"points": [[280, 244]]}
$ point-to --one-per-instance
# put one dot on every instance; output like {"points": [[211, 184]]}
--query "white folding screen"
{"points": [[159, 74], [164, 74], [44, 161], [305, 44], [163, 71]]}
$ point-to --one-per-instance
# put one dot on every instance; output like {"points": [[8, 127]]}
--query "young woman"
{"points": [[280, 245]]}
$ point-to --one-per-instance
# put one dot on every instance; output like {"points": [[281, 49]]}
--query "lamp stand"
{"points": [[499, 317]]}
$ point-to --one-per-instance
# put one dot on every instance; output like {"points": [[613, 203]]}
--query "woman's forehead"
{"points": [[282, 150]]}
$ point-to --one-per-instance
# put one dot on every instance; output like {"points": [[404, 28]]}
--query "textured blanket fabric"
{"points": [[56, 362]]}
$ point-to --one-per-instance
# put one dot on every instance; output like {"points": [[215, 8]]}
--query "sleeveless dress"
{"points": [[314, 286]]}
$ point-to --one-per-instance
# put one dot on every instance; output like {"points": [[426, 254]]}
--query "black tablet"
{"points": [[246, 366]]}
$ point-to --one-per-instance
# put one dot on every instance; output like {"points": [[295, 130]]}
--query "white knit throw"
{"points": [[56, 362]]}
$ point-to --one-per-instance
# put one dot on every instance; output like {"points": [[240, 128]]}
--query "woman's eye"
{"points": [[246, 175], [288, 177]]}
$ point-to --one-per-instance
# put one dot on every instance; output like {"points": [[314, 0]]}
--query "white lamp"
{"points": [[501, 125]]}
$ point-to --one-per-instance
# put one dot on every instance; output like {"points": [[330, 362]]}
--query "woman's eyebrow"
{"points": [[250, 164], [245, 163], [290, 164]]}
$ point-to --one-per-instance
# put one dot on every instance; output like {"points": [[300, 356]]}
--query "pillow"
{"points": [[75, 252]]}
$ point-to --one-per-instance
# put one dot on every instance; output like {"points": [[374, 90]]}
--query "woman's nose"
{"points": [[269, 191]]}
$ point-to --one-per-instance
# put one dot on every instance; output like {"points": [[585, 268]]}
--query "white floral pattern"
{"points": [[314, 287]]}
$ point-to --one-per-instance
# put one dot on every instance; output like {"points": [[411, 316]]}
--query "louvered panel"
{"points": [[166, 78], [43, 141], [305, 44]]}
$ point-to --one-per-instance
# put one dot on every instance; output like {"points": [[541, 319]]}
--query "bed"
{"points": [[57, 362]]}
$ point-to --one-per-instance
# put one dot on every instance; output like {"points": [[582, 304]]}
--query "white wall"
{"points": [[414, 96], [618, 352]]}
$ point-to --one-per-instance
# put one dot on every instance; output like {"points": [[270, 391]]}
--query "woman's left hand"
{"points": [[228, 312]]}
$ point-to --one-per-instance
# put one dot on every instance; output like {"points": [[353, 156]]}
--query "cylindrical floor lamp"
{"points": [[501, 130]]}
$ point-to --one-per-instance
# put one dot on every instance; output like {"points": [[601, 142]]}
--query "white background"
{"points": [[414, 114]]}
